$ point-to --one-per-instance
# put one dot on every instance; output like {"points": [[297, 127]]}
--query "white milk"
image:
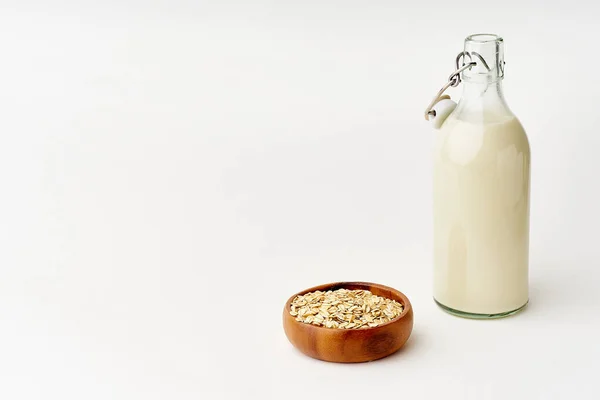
{"points": [[481, 215]]}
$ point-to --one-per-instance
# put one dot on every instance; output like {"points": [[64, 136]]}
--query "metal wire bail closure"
{"points": [[454, 79]]}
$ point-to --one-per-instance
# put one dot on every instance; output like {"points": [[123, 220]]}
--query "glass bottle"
{"points": [[481, 194]]}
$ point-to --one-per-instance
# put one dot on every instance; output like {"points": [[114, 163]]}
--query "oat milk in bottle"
{"points": [[481, 194]]}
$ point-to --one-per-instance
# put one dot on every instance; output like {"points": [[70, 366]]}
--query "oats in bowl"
{"points": [[344, 309]]}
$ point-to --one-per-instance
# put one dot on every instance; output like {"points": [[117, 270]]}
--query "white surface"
{"points": [[161, 161]]}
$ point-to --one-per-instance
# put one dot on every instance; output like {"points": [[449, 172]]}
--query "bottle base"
{"points": [[464, 314]]}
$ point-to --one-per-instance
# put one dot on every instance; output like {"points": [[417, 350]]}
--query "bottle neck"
{"points": [[482, 102], [487, 52], [482, 90], [482, 98]]}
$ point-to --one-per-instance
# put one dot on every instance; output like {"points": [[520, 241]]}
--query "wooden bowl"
{"points": [[350, 345]]}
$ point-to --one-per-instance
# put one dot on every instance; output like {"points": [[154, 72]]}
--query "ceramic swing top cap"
{"points": [[442, 110], [350, 345]]}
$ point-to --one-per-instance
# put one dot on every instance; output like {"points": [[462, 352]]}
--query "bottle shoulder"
{"points": [[506, 126], [471, 142]]}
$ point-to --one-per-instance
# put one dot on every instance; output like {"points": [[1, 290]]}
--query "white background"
{"points": [[172, 171]]}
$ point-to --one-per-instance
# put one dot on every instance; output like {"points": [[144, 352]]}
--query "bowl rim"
{"points": [[406, 305]]}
